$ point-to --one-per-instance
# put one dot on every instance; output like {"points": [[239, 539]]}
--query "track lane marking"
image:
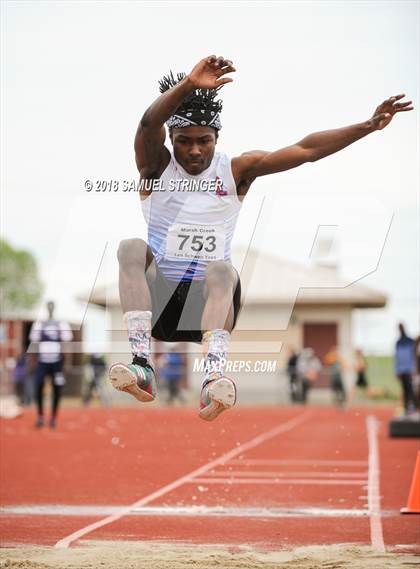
{"points": [[374, 496], [188, 511], [301, 481], [273, 474], [259, 439], [313, 462]]}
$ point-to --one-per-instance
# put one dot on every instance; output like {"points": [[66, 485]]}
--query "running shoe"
{"points": [[137, 378], [39, 422], [217, 395]]}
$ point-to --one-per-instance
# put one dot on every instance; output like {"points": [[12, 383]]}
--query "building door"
{"points": [[320, 337]]}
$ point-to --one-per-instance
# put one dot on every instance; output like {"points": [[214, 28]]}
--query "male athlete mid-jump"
{"points": [[181, 285]]}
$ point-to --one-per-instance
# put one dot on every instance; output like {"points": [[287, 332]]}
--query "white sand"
{"points": [[157, 555]]}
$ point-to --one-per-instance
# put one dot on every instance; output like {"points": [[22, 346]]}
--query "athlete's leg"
{"points": [[56, 396], [87, 392], [102, 391], [218, 393], [172, 391], [408, 392], [40, 373], [135, 259], [305, 388], [218, 314], [221, 280]]}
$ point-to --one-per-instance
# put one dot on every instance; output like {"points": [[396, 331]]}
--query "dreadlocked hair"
{"points": [[199, 99]]}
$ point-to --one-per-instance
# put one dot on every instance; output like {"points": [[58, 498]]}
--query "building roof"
{"points": [[266, 280]]}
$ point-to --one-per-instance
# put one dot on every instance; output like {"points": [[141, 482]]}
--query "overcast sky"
{"points": [[77, 76]]}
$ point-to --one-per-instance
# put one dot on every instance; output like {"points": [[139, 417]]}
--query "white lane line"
{"points": [[300, 481], [66, 541], [311, 462], [167, 511], [58, 510], [374, 496], [265, 474]]}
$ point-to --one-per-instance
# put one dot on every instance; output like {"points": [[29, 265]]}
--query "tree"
{"points": [[20, 285]]}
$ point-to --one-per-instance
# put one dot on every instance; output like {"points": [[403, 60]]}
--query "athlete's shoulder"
{"points": [[222, 160], [223, 168]]}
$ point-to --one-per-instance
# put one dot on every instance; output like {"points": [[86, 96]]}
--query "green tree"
{"points": [[20, 286]]}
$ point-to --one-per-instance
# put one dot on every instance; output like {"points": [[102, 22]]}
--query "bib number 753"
{"points": [[195, 242], [198, 242]]}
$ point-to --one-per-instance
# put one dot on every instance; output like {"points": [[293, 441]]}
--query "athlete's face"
{"points": [[194, 147]]}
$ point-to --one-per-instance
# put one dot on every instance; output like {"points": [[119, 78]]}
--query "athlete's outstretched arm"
{"points": [[317, 145], [150, 136]]}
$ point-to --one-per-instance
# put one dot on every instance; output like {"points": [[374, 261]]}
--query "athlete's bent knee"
{"points": [[220, 272], [132, 250]]}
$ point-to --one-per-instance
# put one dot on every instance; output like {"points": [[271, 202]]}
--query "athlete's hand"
{"points": [[384, 113], [208, 73]]}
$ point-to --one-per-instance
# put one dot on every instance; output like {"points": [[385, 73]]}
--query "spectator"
{"points": [[416, 379], [405, 366], [292, 373], [360, 368], [171, 369], [94, 380], [19, 377], [49, 335], [308, 368], [336, 366]]}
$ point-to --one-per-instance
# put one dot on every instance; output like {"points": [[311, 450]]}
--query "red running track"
{"points": [[267, 477]]}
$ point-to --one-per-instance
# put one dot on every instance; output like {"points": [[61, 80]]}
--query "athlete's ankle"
{"points": [[140, 360], [139, 326], [208, 378]]}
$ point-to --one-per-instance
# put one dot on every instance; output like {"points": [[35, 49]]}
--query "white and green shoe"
{"points": [[137, 379], [217, 395]]}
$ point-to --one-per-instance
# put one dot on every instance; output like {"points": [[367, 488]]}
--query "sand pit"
{"points": [[157, 555]]}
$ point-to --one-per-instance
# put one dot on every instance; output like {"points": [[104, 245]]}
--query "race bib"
{"points": [[203, 242]]}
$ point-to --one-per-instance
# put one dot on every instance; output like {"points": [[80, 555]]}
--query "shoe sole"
{"points": [[123, 379], [222, 395]]}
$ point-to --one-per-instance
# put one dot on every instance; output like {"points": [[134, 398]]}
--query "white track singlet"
{"points": [[191, 219]]}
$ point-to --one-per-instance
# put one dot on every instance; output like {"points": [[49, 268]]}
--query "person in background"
{"points": [[19, 377], [336, 366], [171, 369], [416, 379], [360, 367], [292, 373], [95, 368], [49, 335], [308, 367], [29, 389], [405, 366]]}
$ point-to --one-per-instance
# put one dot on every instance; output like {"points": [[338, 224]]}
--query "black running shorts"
{"points": [[177, 308]]}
